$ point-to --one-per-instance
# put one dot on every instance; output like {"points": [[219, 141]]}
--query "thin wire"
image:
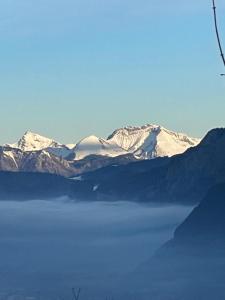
{"points": [[217, 32]]}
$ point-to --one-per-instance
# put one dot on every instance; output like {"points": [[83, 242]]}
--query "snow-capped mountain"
{"points": [[93, 145], [31, 141], [37, 153], [151, 141], [144, 142], [181, 178], [34, 142], [14, 159]]}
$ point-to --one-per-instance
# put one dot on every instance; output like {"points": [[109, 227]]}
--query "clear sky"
{"points": [[71, 68]]}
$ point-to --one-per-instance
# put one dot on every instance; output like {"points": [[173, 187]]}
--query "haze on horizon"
{"points": [[74, 68]]}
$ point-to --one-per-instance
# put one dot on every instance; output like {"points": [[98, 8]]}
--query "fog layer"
{"points": [[49, 247]]}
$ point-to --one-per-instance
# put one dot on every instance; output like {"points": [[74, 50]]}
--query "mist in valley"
{"points": [[48, 247]]}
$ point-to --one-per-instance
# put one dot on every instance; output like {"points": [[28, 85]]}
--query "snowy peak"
{"points": [[145, 142], [36, 153], [165, 143], [90, 140], [132, 138], [31, 141], [93, 145], [152, 141]]}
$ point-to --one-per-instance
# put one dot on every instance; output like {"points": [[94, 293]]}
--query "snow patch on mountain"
{"points": [[93, 145], [9, 154]]}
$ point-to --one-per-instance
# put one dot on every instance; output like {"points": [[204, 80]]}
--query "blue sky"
{"points": [[70, 68]]}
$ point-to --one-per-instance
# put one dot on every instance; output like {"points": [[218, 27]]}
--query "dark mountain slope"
{"points": [[192, 264], [45, 161], [207, 221], [12, 159], [27, 186], [96, 162]]}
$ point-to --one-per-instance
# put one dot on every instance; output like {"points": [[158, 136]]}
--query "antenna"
{"points": [[217, 34]]}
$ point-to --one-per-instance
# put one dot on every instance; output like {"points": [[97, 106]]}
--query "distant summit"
{"points": [[31, 141], [150, 141]]}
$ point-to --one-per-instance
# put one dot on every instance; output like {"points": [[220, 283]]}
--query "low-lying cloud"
{"points": [[54, 245]]}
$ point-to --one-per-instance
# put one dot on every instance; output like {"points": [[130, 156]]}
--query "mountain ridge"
{"points": [[31, 141], [150, 141], [145, 142], [185, 176]]}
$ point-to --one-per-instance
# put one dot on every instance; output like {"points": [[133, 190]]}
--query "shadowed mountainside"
{"points": [[192, 264], [44, 161], [28, 186]]}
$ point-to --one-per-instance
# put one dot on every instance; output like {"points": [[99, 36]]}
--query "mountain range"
{"points": [[35, 153], [183, 178]]}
